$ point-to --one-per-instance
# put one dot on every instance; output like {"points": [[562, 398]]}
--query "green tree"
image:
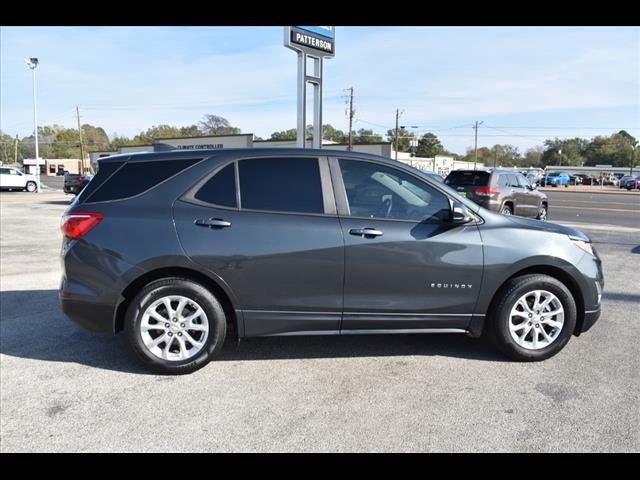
{"points": [[216, 125], [7, 148], [533, 157], [429, 146], [404, 138], [334, 134], [290, 134], [565, 152], [94, 138], [365, 135], [190, 131]]}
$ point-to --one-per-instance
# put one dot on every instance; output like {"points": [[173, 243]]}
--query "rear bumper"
{"points": [[89, 315]]}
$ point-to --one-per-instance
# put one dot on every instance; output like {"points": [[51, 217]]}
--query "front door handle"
{"points": [[366, 232], [213, 223]]}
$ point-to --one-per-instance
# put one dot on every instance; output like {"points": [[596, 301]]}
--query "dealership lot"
{"points": [[64, 389]]}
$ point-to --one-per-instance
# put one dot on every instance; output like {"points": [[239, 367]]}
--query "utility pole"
{"points": [[475, 150], [81, 143], [15, 154], [398, 113], [351, 119]]}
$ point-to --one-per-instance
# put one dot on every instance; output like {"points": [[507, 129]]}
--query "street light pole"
{"points": [[32, 63]]}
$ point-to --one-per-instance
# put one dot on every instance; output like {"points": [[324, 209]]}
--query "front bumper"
{"points": [[590, 318]]}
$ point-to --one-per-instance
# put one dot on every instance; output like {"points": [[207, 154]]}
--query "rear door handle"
{"points": [[213, 223], [366, 232]]}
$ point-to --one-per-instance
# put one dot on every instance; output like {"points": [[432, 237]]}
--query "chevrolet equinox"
{"points": [[177, 248]]}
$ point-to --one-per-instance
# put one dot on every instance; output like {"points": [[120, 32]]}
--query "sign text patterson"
{"points": [[312, 41]]}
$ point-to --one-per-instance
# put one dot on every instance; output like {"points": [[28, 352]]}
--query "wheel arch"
{"points": [[138, 284], [509, 202], [552, 271]]}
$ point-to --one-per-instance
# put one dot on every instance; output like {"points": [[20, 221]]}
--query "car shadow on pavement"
{"points": [[33, 327], [621, 297]]}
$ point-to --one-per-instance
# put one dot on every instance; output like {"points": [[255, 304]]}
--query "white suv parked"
{"points": [[13, 179]]}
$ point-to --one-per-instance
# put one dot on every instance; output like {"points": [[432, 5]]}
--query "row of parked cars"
{"points": [[556, 179]]}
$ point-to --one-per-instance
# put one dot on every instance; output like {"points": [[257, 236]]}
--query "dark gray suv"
{"points": [[500, 190], [178, 248]]}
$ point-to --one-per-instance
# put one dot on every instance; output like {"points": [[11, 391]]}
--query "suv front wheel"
{"points": [[533, 319], [175, 325]]}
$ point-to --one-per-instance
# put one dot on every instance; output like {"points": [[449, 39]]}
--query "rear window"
{"points": [[135, 178], [459, 179]]}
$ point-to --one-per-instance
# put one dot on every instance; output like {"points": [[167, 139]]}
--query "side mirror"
{"points": [[459, 214]]}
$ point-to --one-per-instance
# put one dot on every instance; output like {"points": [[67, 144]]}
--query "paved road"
{"points": [[595, 208], [64, 389]]}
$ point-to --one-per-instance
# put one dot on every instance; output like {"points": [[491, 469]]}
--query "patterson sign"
{"points": [[311, 40]]}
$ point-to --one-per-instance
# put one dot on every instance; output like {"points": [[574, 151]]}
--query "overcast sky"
{"points": [[562, 81]]}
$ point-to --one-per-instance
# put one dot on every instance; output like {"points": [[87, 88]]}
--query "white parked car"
{"points": [[13, 179]]}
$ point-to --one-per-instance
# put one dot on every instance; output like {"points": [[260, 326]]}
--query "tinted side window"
{"points": [[4, 171], [137, 177], [513, 180], [377, 191], [281, 185], [220, 189], [503, 181], [523, 181]]}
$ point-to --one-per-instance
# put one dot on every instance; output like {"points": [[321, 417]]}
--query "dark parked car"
{"points": [[500, 190], [179, 248], [75, 182], [630, 182], [586, 179]]}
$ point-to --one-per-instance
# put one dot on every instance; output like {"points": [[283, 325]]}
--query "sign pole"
{"points": [[317, 103], [301, 140], [316, 43]]}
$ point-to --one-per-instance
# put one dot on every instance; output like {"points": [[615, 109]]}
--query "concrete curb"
{"points": [[598, 191]]}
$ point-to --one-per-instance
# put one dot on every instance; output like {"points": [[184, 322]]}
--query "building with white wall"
{"points": [[245, 140]]}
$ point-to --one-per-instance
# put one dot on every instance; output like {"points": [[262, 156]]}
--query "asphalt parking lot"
{"points": [[64, 389]]}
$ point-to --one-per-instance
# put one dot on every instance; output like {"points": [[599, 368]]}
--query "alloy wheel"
{"points": [[174, 328], [543, 214], [536, 320]]}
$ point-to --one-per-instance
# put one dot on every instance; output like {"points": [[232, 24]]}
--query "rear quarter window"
{"points": [[134, 178]]}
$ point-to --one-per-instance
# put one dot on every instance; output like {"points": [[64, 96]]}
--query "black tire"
{"points": [[498, 320], [192, 290], [504, 209], [31, 187]]}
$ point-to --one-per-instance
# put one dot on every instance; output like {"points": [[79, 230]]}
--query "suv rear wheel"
{"points": [[534, 318], [506, 209], [175, 325]]}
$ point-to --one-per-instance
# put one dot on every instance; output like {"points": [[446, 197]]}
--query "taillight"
{"points": [[76, 225], [485, 191]]}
